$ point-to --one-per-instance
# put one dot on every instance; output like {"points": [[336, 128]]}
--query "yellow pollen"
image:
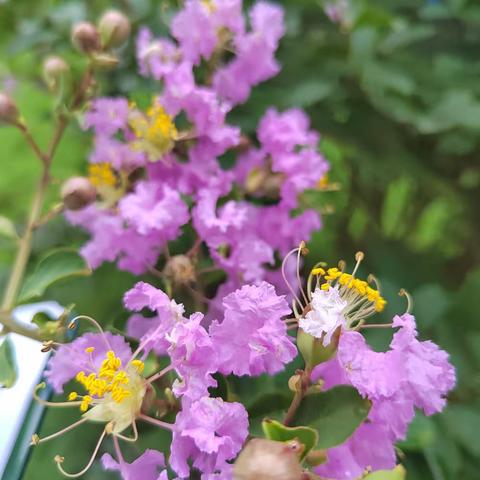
{"points": [[139, 365], [101, 175], [89, 349], [72, 396], [155, 131], [109, 380], [318, 271]]}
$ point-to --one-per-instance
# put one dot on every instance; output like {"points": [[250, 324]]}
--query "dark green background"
{"points": [[395, 93]]}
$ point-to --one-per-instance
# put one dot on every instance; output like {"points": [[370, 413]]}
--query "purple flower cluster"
{"points": [[154, 178], [162, 186], [411, 374], [208, 431]]}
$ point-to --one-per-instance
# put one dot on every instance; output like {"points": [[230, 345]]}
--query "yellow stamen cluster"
{"points": [[110, 381], [361, 287], [101, 175], [154, 130]]}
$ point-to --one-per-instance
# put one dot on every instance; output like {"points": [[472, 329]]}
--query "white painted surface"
{"points": [[30, 363]]}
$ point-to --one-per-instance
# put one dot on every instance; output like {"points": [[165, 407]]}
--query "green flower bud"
{"points": [[77, 193], [114, 28], [85, 37]]}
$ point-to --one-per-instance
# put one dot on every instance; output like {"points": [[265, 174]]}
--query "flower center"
{"points": [[115, 393], [155, 131], [361, 299]]}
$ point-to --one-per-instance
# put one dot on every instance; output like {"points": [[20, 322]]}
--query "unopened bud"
{"points": [[180, 270], [8, 109], [54, 68], [85, 37], [114, 28], [267, 460], [77, 193]]}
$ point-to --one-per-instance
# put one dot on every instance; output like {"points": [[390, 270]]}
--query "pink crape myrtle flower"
{"points": [[252, 338], [209, 432], [146, 466]]}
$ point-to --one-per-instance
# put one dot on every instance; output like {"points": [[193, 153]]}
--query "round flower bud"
{"points": [[268, 460], [8, 109], [114, 28], [54, 68], [180, 269], [77, 193], [85, 37]]}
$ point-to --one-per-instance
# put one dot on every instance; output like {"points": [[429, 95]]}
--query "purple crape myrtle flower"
{"points": [[112, 240], [194, 357], [154, 208], [152, 331], [146, 466], [107, 116], [209, 432], [254, 61], [411, 374], [72, 357], [252, 338]]}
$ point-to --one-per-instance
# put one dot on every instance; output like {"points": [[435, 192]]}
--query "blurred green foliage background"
{"points": [[394, 90]]}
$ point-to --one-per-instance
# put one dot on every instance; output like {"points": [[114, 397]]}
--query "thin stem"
{"points": [[160, 374], [154, 421], [25, 243], [298, 397], [36, 440], [59, 460], [376, 325]]}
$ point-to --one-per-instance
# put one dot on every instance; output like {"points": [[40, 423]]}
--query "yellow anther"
{"points": [[101, 175], [325, 286], [344, 278], [86, 401], [155, 131], [80, 376], [89, 349], [318, 271], [72, 396], [139, 365]]}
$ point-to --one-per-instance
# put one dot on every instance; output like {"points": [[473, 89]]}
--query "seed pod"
{"points": [[8, 109], [77, 193], [54, 68], [85, 37], [114, 28], [263, 459]]}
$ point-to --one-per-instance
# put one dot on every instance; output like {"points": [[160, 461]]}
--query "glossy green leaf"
{"points": [[58, 265], [275, 430], [335, 414], [398, 473], [8, 371]]}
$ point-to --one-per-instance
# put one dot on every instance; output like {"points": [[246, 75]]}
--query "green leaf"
{"points": [[335, 414], [398, 473], [57, 265], [395, 205], [274, 430], [271, 404], [7, 228], [8, 371]]}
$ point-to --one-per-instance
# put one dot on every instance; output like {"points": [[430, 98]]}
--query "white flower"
{"points": [[326, 314]]}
